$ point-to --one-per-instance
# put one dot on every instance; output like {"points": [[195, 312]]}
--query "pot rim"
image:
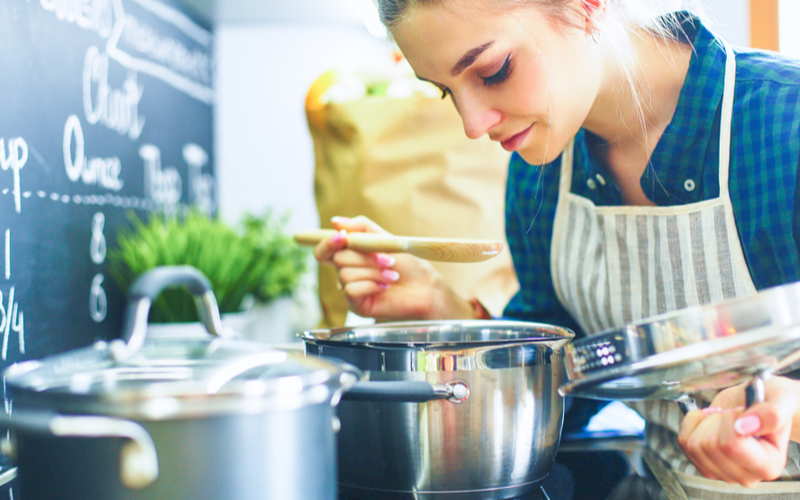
{"points": [[377, 336]]}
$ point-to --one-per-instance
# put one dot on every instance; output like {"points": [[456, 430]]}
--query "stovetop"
{"points": [[536, 495]]}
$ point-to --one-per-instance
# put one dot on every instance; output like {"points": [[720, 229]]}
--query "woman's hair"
{"points": [[620, 16], [616, 25]]}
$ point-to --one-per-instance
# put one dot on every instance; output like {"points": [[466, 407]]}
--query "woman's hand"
{"points": [[388, 287], [729, 443]]}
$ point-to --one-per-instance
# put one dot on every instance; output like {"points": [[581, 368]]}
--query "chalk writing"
{"points": [[15, 159], [117, 109], [8, 254], [162, 186], [97, 249], [201, 185], [92, 15], [98, 303], [103, 172], [163, 57], [11, 319], [168, 51]]}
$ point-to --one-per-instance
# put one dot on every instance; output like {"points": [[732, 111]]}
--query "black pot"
{"points": [[172, 418]]}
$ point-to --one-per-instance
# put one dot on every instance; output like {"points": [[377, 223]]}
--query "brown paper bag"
{"points": [[407, 165]]}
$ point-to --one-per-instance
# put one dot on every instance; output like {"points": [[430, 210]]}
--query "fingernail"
{"points": [[384, 286], [711, 410], [390, 275], [747, 425], [339, 236], [385, 260], [340, 220]]}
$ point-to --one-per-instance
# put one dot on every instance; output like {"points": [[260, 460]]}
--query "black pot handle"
{"points": [[147, 288], [754, 393], [407, 391], [138, 458]]}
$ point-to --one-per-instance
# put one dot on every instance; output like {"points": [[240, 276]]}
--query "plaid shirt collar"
{"points": [[691, 136], [689, 143]]}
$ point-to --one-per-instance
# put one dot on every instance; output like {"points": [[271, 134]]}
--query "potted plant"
{"points": [[253, 263]]}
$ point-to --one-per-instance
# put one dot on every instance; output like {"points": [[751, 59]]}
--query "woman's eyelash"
{"points": [[501, 75], [496, 78]]}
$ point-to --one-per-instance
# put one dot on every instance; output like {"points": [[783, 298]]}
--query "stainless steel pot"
{"points": [[450, 409], [175, 418]]}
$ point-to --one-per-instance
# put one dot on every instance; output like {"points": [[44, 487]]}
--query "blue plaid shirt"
{"points": [[765, 146]]}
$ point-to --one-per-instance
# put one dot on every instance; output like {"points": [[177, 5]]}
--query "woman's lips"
{"points": [[513, 142]]}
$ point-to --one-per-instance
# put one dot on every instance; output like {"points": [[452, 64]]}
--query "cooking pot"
{"points": [[205, 417], [447, 409]]}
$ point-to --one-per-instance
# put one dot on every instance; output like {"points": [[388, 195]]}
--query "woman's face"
{"points": [[515, 74]]}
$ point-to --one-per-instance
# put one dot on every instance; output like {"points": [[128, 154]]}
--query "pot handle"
{"points": [[455, 391], [754, 393], [147, 288], [138, 459]]}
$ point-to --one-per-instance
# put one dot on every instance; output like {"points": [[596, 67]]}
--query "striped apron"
{"points": [[613, 265]]}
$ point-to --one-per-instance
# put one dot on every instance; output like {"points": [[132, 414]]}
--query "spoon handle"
{"points": [[363, 242], [436, 249]]}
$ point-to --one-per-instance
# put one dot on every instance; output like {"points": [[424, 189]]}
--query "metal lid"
{"points": [[167, 377], [698, 348]]}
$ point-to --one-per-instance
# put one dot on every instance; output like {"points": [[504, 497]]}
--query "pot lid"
{"points": [[166, 377]]}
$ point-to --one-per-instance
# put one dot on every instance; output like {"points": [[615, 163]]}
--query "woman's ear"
{"points": [[591, 5], [594, 12]]}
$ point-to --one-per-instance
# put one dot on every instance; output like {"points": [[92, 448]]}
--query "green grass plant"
{"points": [[256, 259]]}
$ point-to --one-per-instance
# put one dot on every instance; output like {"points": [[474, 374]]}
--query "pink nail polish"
{"points": [[390, 275], [747, 425], [339, 236], [385, 260], [711, 410]]}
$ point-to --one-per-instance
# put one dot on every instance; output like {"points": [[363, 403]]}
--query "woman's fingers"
{"points": [[351, 258], [740, 459], [358, 224], [326, 248], [357, 290], [713, 455], [349, 275], [692, 442], [738, 446], [761, 459]]}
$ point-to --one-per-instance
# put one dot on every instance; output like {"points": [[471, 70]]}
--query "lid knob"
{"points": [[148, 287]]}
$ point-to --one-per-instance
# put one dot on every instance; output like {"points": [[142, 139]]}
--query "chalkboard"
{"points": [[105, 109]]}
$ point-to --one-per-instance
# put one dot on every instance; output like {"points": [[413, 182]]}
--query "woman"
{"points": [[654, 169]]}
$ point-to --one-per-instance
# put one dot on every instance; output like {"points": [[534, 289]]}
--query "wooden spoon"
{"points": [[438, 249]]}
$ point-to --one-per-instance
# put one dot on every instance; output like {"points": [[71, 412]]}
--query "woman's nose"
{"points": [[478, 116]]}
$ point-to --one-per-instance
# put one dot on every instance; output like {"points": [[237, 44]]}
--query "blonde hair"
{"points": [[616, 27]]}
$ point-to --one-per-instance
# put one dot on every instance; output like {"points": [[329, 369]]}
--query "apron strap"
{"points": [[725, 121], [565, 183]]}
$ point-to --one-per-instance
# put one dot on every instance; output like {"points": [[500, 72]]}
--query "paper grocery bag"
{"points": [[407, 165]]}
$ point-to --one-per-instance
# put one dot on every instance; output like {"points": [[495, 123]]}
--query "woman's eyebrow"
{"points": [[469, 58]]}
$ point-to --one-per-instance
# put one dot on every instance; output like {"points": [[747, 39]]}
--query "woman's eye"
{"points": [[501, 75]]}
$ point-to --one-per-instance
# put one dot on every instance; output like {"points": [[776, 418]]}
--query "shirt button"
{"points": [[600, 179], [689, 185], [592, 185]]}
